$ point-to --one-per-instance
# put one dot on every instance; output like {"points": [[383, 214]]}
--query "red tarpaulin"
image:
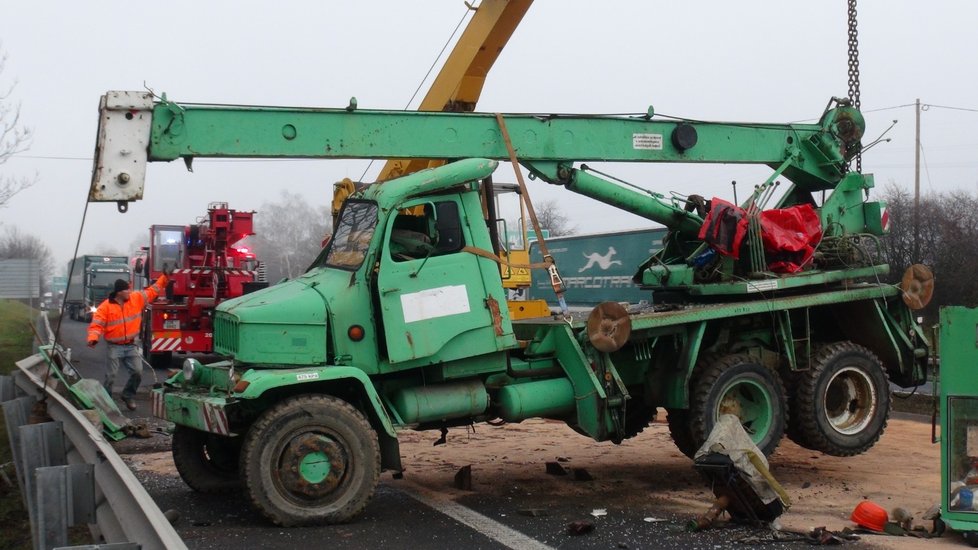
{"points": [[789, 234]]}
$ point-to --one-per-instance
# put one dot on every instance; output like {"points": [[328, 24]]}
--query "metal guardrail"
{"points": [[69, 474]]}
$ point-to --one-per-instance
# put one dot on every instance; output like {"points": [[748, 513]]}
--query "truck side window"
{"points": [[449, 227], [436, 232]]}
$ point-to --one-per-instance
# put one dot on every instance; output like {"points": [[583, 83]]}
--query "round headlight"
{"points": [[190, 369]]}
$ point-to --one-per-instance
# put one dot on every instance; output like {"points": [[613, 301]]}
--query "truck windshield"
{"points": [[351, 240], [106, 277]]}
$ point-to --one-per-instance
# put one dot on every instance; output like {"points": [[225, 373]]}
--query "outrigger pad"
{"points": [[609, 326]]}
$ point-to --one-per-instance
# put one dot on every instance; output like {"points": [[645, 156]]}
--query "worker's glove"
{"points": [[91, 343]]}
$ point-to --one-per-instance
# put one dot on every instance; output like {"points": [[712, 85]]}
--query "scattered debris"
{"points": [[533, 512], [598, 512], [555, 469], [582, 527], [806, 485], [580, 474], [822, 536], [563, 459], [738, 474], [902, 517], [172, 516], [653, 520], [773, 535], [706, 520], [138, 430], [463, 478], [443, 439]]}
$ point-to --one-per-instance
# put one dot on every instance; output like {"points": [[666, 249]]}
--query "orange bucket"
{"points": [[870, 515]]}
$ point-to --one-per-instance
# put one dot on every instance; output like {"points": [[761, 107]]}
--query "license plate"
{"points": [[171, 324]]}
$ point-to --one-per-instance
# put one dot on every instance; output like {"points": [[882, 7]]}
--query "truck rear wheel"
{"points": [[737, 384], [311, 459], [208, 463], [842, 403]]}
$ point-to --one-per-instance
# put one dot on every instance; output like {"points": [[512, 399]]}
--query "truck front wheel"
{"points": [[207, 463], [841, 405], [737, 384], [311, 459], [678, 420]]}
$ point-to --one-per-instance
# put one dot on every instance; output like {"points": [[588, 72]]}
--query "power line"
{"points": [[45, 157], [888, 108], [932, 106]]}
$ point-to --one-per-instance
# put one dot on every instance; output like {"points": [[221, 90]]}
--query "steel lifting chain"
{"points": [[854, 69]]}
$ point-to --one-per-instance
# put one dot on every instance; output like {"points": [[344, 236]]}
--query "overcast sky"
{"points": [[754, 60]]}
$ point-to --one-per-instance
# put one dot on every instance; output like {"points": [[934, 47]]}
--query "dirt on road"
{"points": [[902, 469], [648, 474]]}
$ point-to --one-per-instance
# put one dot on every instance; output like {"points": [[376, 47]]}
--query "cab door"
{"points": [[433, 295]]}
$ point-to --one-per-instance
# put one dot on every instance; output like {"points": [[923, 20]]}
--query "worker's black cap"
{"points": [[120, 285]]}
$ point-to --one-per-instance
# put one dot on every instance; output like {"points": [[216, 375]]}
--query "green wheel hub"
{"points": [[752, 403], [312, 466]]}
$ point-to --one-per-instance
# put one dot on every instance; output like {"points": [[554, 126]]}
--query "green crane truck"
{"points": [[401, 322]]}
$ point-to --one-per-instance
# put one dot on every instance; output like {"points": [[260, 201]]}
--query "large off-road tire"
{"points": [[638, 415], [682, 436], [311, 459], [737, 384], [841, 405], [208, 463], [678, 419]]}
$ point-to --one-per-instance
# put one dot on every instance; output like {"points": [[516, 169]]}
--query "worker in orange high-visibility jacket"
{"points": [[117, 320]]}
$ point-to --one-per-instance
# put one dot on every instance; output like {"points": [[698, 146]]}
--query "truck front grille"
{"points": [[225, 334]]}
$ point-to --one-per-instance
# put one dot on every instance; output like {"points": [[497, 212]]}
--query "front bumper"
{"points": [[204, 413]]}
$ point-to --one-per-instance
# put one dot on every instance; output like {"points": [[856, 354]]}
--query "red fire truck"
{"points": [[207, 269]]}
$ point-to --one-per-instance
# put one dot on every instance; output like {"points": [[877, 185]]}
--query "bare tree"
{"points": [[17, 245], [289, 235], [14, 138], [552, 218], [947, 242]]}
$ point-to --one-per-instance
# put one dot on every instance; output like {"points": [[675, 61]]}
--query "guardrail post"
{"points": [[124, 511], [40, 445], [17, 411], [65, 497], [8, 389]]}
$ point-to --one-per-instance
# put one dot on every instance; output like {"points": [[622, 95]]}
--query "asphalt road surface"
{"points": [[402, 514]]}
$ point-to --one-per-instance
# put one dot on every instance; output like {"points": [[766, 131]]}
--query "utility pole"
{"points": [[916, 191]]}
